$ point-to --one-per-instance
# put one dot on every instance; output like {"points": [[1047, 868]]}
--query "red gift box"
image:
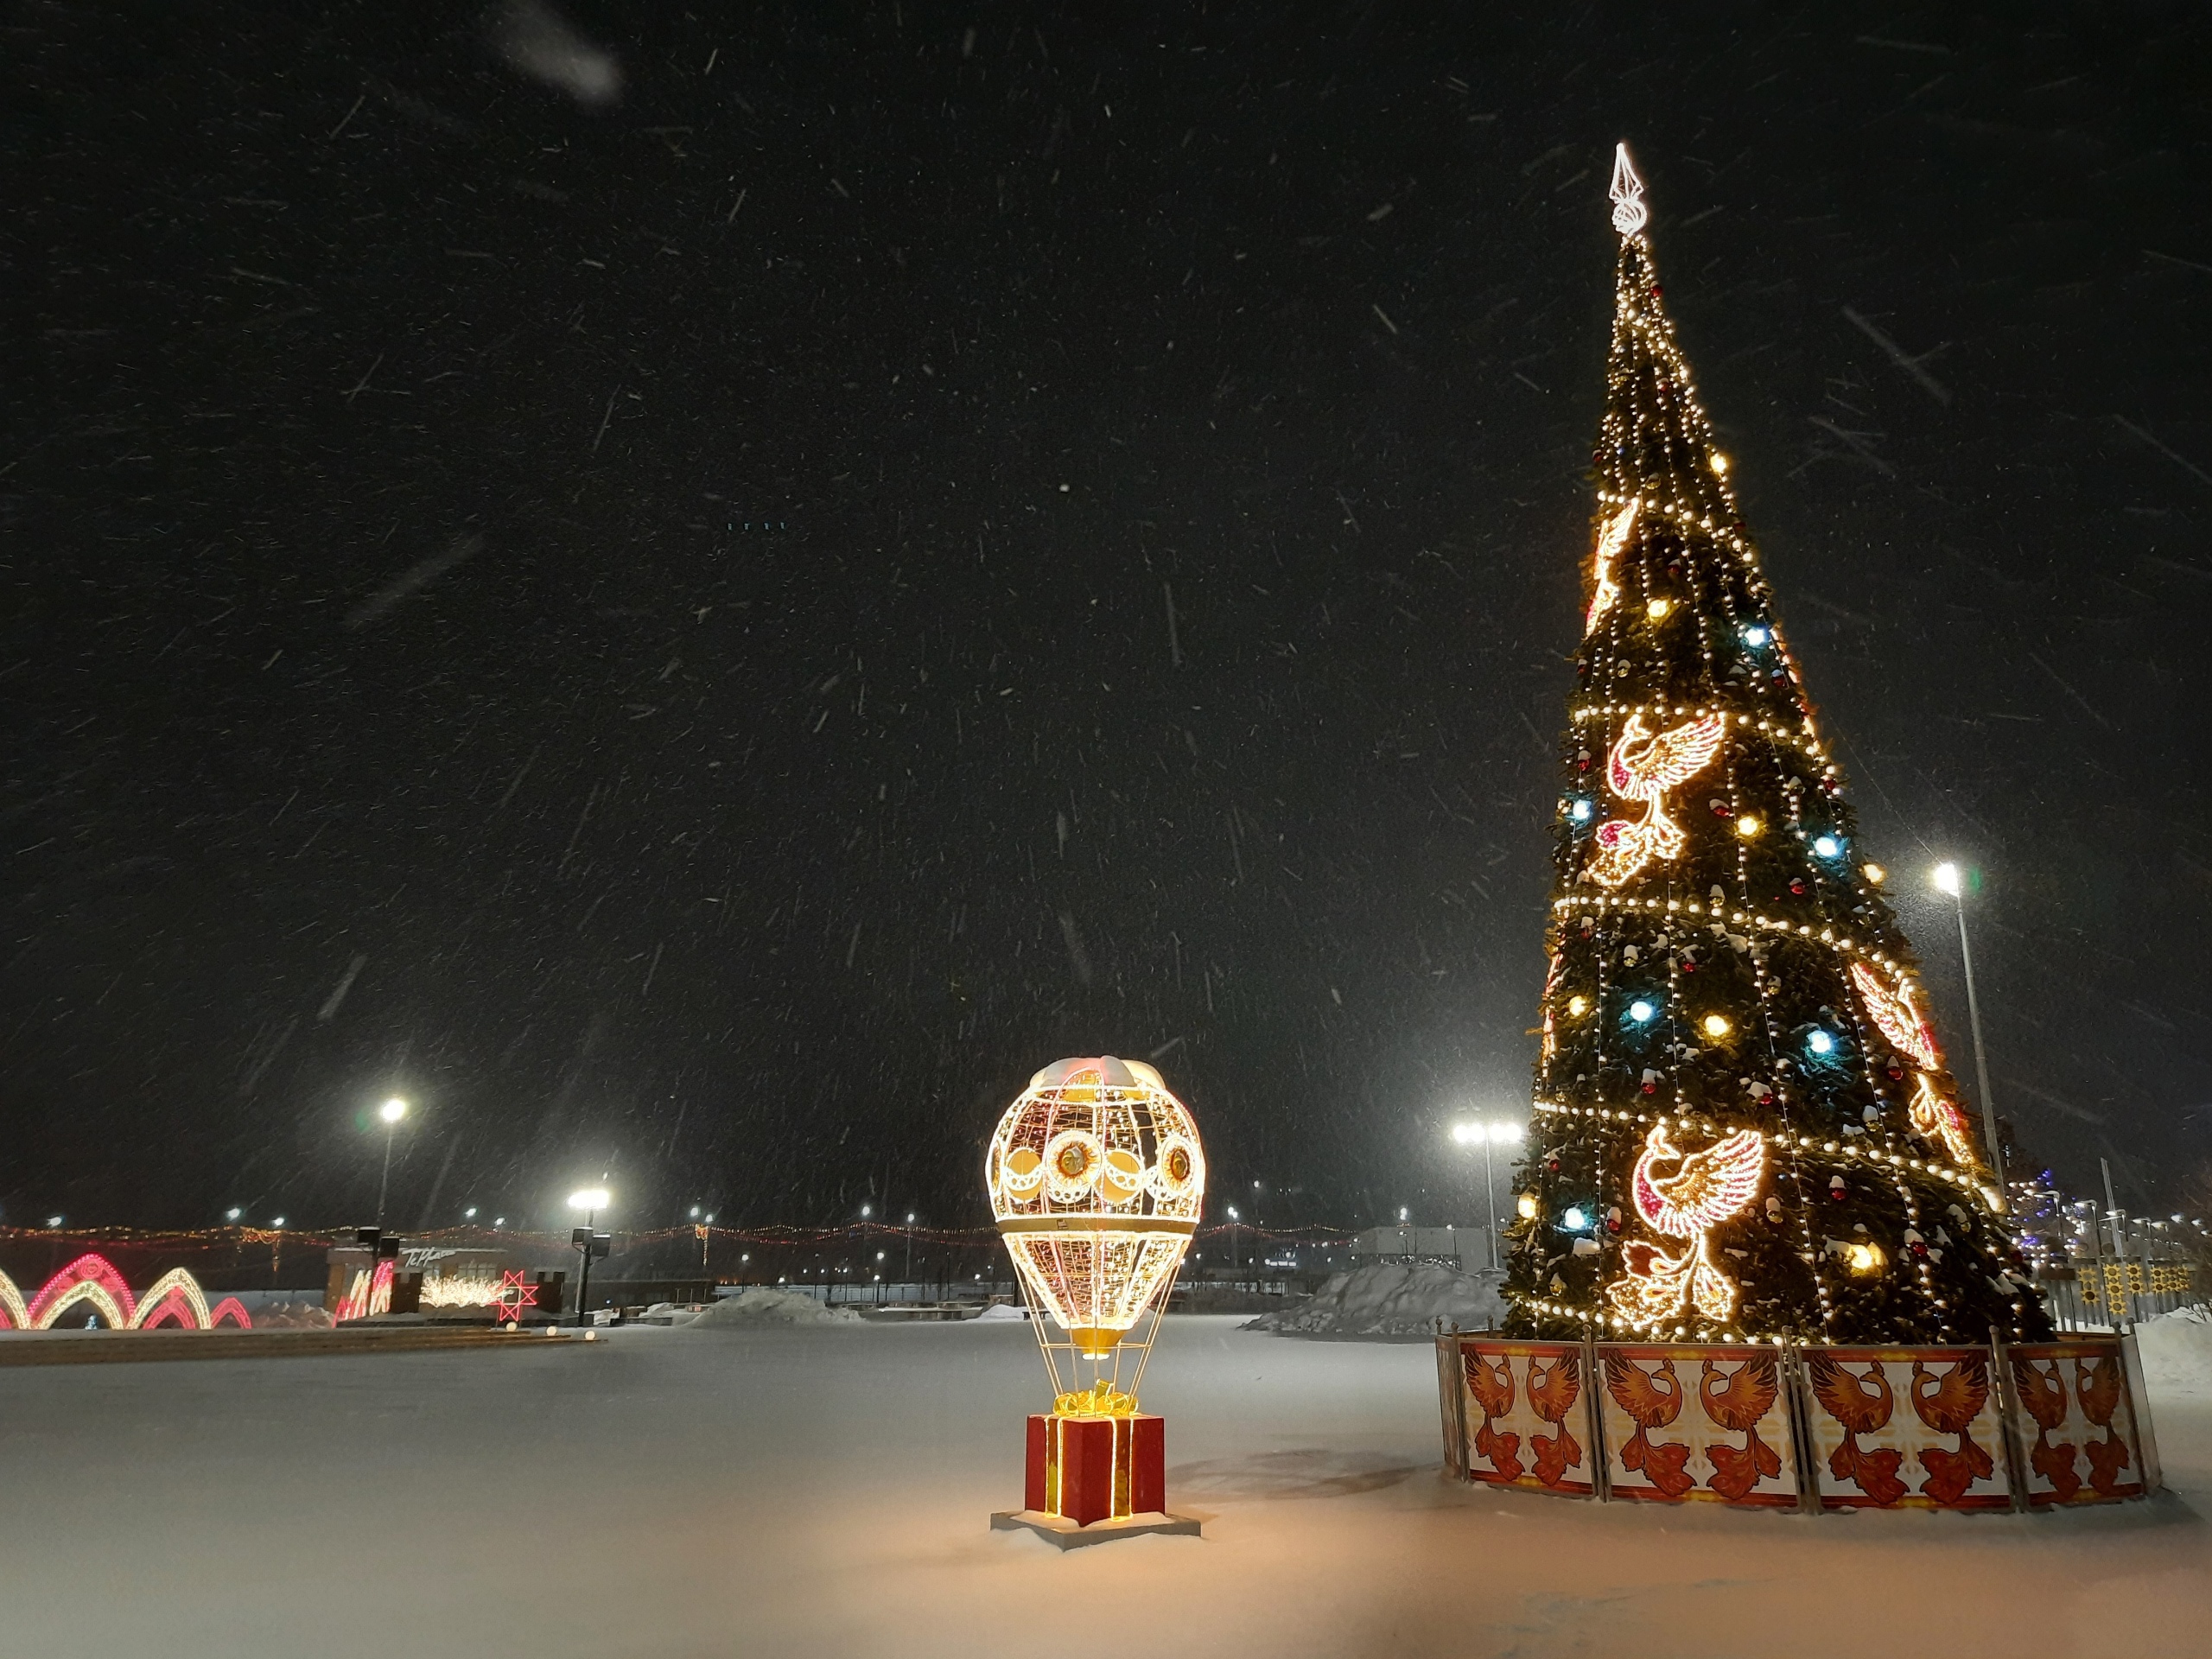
{"points": [[1087, 1469]]}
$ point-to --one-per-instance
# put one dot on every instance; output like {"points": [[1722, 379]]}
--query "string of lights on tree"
{"points": [[1744, 1129]]}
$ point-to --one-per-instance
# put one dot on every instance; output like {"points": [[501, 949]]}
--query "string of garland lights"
{"points": [[1746, 1128]]}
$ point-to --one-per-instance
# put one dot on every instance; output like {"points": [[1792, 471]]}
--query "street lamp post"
{"points": [[1487, 1135], [1947, 881], [591, 1201], [391, 1111]]}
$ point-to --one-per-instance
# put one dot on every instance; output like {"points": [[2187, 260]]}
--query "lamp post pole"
{"points": [[1948, 880], [1490, 1196], [591, 1201], [1488, 1135], [583, 1286], [391, 1111]]}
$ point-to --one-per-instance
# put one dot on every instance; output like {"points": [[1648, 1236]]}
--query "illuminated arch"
{"points": [[175, 1295], [85, 1290], [91, 1278], [11, 1304], [233, 1309]]}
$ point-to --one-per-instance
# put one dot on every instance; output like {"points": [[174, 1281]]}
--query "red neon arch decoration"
{"points": [[91, 1278]]}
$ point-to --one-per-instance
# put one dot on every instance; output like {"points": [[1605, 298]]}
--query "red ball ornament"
{"points": [[1797, 886], [1552, 1164], [1651, 1088]]}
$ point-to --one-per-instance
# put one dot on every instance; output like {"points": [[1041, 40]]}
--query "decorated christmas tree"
{"points": [[1744, 1127]]}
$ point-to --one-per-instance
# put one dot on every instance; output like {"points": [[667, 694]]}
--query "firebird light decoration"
{"points": [[1644, 767], [1897, 1017], [1684, 1195], [1603, 590]]}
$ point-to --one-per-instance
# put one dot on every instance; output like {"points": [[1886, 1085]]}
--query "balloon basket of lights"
{"points": [[1096, 1178]]}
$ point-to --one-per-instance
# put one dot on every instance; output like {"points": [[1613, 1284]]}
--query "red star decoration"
{"points": [[514, 1296]]}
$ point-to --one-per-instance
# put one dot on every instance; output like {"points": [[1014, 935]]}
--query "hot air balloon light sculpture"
{"points": [[1096, 1177]]}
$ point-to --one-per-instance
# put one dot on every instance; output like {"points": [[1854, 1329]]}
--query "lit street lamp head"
{"points": [[1945, 878], [590, 1197], [392, 1110], [1506, 1133]]}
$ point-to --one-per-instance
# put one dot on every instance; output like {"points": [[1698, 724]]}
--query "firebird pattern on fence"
{"points": [[2078, 1423], [1697, 1422], [1907, 1428], [1522, 1401], [1836, 1428]]}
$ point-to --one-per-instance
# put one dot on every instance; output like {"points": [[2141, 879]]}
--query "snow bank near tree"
{"points": [[2177, 1353], [1392, 1300], [763, 1305]]}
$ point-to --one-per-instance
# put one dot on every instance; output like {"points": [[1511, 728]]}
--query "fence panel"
{"points": [[2078, 1421], [1525, 1405], [2037, 1426], [1685, 1423], [1907, 1428]]}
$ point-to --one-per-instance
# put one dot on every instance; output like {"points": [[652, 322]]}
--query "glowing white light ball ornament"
{"points": [[1096, 1177]]}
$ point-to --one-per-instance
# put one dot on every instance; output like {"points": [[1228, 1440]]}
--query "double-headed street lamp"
{"points": [[391, 1111], [591, 1201], [1948, 880], [1503, 1133]]}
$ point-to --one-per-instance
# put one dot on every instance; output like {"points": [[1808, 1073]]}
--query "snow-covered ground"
{"points": [[675, 1493]]}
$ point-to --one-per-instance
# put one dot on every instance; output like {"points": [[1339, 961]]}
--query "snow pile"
{"points": [[761, 1304], [290, 1316], [2176, 1351], [1004, 1311], [1392, 1300]]}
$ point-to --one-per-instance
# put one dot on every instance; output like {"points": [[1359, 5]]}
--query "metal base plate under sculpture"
{"points": [[1064, 1534]]}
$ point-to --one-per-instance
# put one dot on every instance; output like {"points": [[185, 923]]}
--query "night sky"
{"points": [[701, 594]]}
